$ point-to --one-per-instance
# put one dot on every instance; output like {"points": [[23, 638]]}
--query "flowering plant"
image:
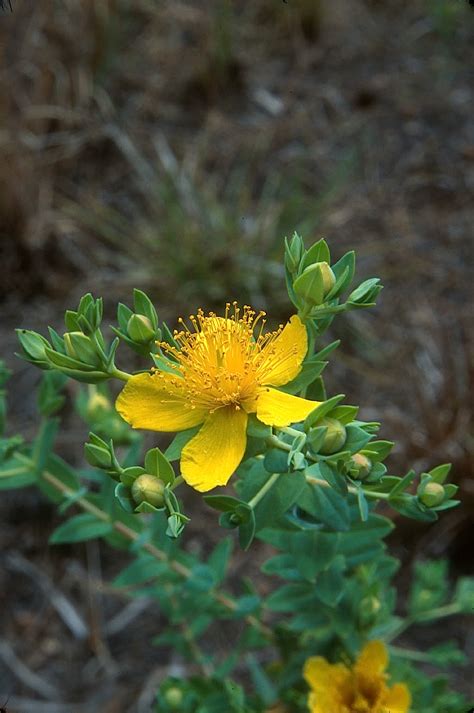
{"points": [[306, 477]]}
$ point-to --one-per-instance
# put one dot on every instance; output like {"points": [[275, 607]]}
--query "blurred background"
{"points": [[171, 145]]}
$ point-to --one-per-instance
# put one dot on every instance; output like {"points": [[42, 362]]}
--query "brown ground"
{"points": [[171, 146]]}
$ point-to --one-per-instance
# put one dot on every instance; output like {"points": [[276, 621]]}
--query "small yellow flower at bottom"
{"points": [[335, 688], [216, 375]]}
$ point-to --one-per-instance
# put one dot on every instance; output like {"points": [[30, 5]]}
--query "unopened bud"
{"points": [[335, 436], [432, 495], [360, 466], [79, 346], [329, 278], [174, 698], [97, 456], [140, 329], [314, 283], [368, 609], [148, 489]]}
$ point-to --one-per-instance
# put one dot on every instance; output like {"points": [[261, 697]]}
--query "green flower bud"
{"points": [[148, 489], [431, 494], [329, 278], [368, 609], [360, 466], [335, 436], [80, 347], [174, 698], [314, 283], [140, 329], [97, 456]]}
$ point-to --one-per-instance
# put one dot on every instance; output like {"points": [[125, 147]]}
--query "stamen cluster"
{"points": [[222, 360]]}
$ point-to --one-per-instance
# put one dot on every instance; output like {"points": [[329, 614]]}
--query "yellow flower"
{"points": [[221, 372], [362, 689]]}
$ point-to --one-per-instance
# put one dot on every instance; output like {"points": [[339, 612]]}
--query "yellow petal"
{"points": [[372, 660], [275, 408], [397, 699], [328, 680], [157, 402], [282, 357], [324, 703], [210, 458]]}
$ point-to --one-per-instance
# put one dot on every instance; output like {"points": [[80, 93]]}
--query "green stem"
{"points": [[263, 490], [119, 374], [276, 443], [437, 613], [177, 481], [409, 654], [291, 431]]}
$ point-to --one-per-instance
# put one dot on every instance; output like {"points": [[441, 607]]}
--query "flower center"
{"points": [[221, 359]]}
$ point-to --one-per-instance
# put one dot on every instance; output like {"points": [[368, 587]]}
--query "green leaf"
{"points": [[62, 472], [282, 566], [291, 597], [62, 361], [330, 583], [122, 493], [15, 473], [326, 351], [429, 588], [173, 452], [319, 252], [365, 539], [279, 499], [321, 411], [123, 315], [157, 464], [316, 391], [143, 305], [330, 474], [440, 473], [362, 504], [129, 475], [409, 506], [344, 414], [276, 461], [142, 569], [361, 293], [344, 270], [356, 438], [219, 558], [464, 594], [311, 551], [223, 503], [378, 450], [247, 531], [263, 685], [326, 506], [447, 654], [257, 429], [80, 528], [33, 344], [43, 444], [70, 320], [310, 371]]}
